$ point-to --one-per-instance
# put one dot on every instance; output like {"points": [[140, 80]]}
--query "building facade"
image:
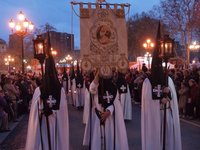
{"points": [[3, 46]]}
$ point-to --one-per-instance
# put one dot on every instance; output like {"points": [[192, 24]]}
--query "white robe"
{"points": [[121, 142], [58, 123], [125, 99], [152, 120], [72, 92], [86, 110], [79, 96]]}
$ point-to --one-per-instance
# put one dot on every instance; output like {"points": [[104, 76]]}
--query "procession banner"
{"points": [[103, 38]]}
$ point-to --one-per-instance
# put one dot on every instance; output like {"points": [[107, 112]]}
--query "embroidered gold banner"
{"points": [[103, 39]]}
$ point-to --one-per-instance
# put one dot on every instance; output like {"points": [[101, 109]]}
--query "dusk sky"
{"points": [[56, 12]]}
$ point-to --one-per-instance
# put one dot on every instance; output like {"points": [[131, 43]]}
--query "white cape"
{"points": [[86, 110], [121, 142], [152, 119], [58, 123], [125, 99], [79, 96]]}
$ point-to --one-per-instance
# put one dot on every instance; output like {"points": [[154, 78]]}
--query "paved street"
{"points": [[190, 133]]}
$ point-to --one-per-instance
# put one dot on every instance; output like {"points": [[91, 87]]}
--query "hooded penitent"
{"points": [[157, 73], [51, 87], [65, 78], [72, 73], [79, 78]]}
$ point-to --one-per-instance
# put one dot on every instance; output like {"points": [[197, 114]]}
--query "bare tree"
{"points": [[140, 27], [182, 18], [44, 28]]}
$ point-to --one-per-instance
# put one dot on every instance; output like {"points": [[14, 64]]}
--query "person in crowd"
{"points": [[12, 92], [3, 115], [105, 128], [183, 96], [192, 98]]}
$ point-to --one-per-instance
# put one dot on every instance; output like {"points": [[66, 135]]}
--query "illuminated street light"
{"points": [[53, 52], [68, 58], [7, 62], [148, 44], [194, 47], [22, 27]]}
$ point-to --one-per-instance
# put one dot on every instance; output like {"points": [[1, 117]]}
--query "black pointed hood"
{"points": [[157, 72], [64, 76], [121, 83], [79, 78], [51, 87], [72, 73]]}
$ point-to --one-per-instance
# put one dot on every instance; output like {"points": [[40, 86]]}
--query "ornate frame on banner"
{"points": [[103, 37]]}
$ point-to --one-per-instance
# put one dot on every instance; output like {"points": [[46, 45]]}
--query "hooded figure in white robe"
{"points": [[48, 127], [58, 121], [159, 96], [87, 104], [80, 89], [152, 120], [105, 127], [64, 81], [72, 89], [124, 96]]}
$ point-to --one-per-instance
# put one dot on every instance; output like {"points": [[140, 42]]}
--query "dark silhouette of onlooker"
{"points": [[3, 114], [192, 98]]}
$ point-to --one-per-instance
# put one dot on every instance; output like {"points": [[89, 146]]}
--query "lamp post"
{"points": [[22, 27], [194, 47], [7, 62], [39, 51], [148, 57], [148, 44], [167, 52]]}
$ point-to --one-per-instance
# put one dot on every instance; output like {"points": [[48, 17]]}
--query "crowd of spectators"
{"points": [[16, 91], [187, 84]]}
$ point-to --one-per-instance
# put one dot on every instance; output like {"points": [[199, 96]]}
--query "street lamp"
{"points": [[7, 62], [194, 47], [167, 49], [39, 51], [22, 27], [148, 44], [148, 57]]}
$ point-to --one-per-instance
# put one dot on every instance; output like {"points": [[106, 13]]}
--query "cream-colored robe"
{"points": [[58, 122], [125, 99], [152, 120], [121, 142]]}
